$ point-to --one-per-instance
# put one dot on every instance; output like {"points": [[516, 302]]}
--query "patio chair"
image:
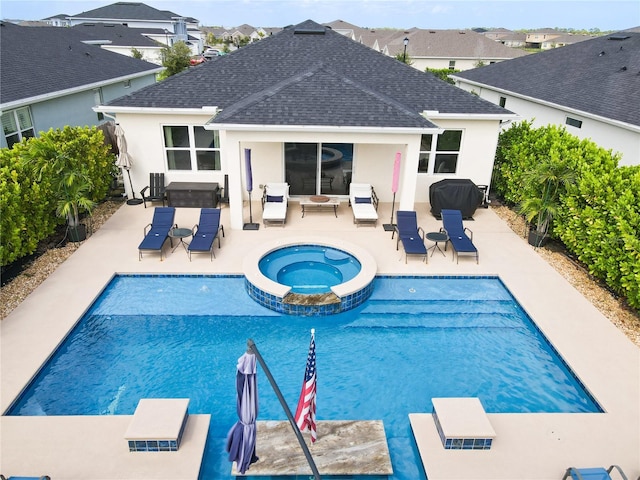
{"points": [[364, 203], [156, 189], [410, 234], [460, 241], [592, 473], [205, 232], [275, 200], [157, 232]]}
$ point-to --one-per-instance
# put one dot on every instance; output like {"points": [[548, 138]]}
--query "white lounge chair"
{"points": [[364, 203], [275, 200]]}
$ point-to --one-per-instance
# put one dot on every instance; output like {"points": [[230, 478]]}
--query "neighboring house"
{"points": [[436, 49], [161, 25], [60, 20], [318, 111], [591, 87], [452, 49], [548, 39], [49, 78], [120, 39]]}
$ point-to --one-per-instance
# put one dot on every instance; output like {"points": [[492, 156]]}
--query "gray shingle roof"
{"points": [[312, 78], [599, 76], [44, 60], [119, 34], [129, 11]]}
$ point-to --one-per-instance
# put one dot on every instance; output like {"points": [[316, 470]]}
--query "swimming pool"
{"points": [[420, 337]]}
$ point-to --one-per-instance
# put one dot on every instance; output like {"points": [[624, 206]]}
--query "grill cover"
{"points": [[455, 194]]}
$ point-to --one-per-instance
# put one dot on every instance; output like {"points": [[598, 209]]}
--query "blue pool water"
{"points": [[181, 336], [309, 269]]}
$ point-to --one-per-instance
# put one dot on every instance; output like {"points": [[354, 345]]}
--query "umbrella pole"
{"points": [[250, 225], [253, 349], [134, 200], [390, 227]]}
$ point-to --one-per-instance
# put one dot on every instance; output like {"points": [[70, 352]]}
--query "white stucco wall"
{"points": [[477, 154], [374, 155], [462, 64], [617, 137]]}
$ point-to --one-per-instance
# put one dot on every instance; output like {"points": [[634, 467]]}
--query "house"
{"points": [[121, 39], [436, 49], [591, 87], [161, 25], [317, 110], [549, 38], [50, 78], [60, 20]]}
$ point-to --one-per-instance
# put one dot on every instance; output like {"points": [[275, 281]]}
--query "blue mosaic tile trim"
{"points": [[461, 443], [152, 445], [277, 304]]}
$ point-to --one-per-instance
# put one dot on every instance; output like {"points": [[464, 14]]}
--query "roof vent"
{"points": [[602, 53], [319, 30], [623, 69], [618, 37]]}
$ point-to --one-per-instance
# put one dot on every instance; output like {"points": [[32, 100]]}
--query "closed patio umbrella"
{"points": [[241, 439], [125, 162]]}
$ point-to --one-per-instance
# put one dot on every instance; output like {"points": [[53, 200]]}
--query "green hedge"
{"points": [[599, 216], [27, 197]]}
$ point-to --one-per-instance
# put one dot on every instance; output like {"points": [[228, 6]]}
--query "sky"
{"points": [[456, 14]]}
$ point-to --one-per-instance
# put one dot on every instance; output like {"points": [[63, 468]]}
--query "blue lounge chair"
{"points": [[157, 232], [410, 234], [205, 232], [592, 473], [460, 241]]}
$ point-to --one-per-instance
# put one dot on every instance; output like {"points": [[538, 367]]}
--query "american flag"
{"points": [[306, 411]]}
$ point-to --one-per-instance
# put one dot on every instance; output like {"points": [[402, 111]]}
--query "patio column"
{"points": [[409, 174], [231, 159]]}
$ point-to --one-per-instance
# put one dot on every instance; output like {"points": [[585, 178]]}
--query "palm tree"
{"points": [[543, 188]]}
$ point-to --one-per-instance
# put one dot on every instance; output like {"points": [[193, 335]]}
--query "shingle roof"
{"points": [[452, 43], [599, 76], [40, 61], [119, 34], [315, 78], [129, 11]]}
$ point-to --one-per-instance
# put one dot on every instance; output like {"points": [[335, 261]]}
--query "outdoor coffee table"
{"points": [[319, 202], [180, 234], [437, 237]]}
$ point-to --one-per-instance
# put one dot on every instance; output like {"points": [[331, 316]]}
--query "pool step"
{"points": [[419, 307], [436, 320]]}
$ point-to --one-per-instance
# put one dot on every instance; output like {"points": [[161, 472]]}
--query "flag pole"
{"points": [[251, 346]]}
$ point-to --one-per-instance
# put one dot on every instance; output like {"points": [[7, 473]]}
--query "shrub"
{"points": [[598, 215]]}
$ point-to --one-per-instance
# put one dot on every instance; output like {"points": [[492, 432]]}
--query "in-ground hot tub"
{"points": [[309, 276]]}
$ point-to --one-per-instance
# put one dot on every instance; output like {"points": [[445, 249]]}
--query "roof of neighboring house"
{"points": [[600, 76], [452, 44], [130, 11], [41, 61], [310, 75], [119, 35]]}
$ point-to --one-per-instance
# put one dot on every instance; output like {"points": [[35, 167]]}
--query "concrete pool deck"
{"points": [[527, 446]]}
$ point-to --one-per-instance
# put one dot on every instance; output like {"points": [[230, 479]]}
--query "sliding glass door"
{"points": [[318, 168]]}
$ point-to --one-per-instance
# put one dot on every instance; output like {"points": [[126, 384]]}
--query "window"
{"points": [[17, 125], [127, 84], [191, 148], [97, 100], [447, 150], [503, 101], [452, 64], [425, 153], [573, 122]]}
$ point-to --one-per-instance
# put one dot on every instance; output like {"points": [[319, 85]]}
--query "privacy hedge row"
{"points": [[599, 213], [27, 196]]}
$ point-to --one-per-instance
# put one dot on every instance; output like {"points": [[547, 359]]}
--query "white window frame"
{"points": [[21, 130], [192, 149], [434, 152]]}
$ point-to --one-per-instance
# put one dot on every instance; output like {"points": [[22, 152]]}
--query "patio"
{"points": [[531, 446]]}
